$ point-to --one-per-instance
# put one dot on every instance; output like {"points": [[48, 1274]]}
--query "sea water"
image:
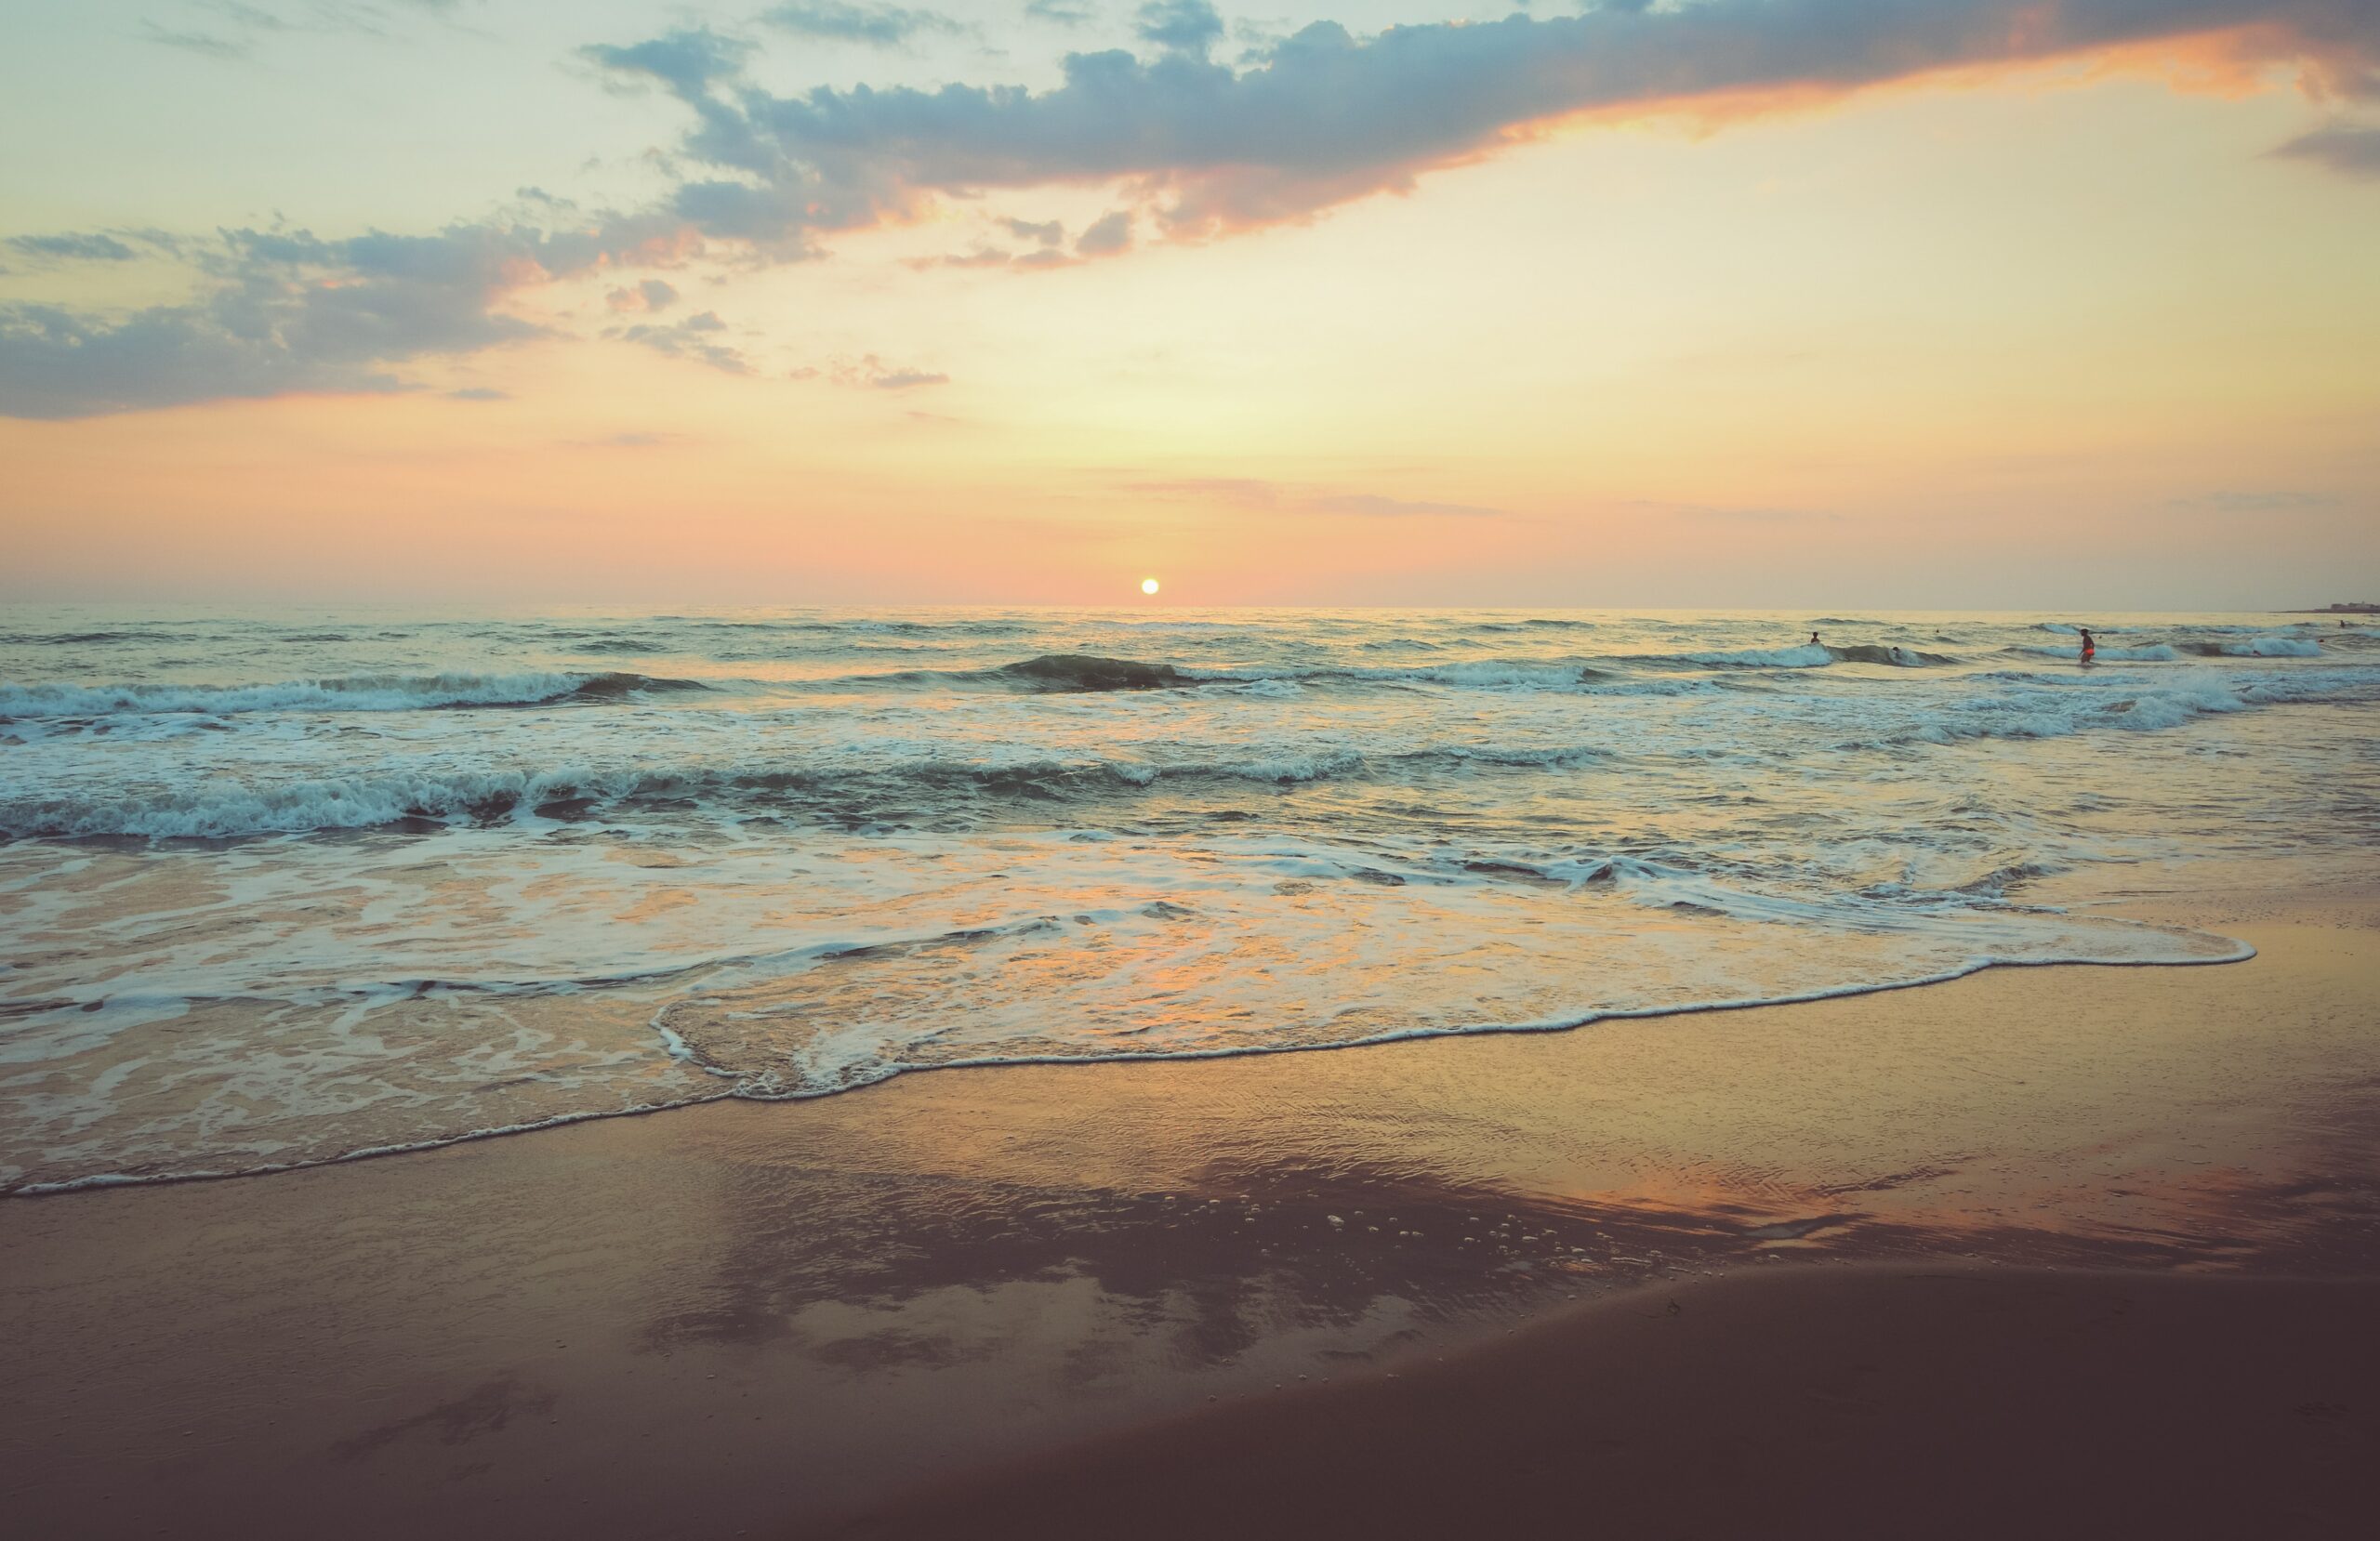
{"points": [[283, 890]]}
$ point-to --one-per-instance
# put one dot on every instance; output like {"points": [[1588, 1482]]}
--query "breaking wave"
{"points": [[360, 693], [461, 798], [1816, 655], [2168, 653]]}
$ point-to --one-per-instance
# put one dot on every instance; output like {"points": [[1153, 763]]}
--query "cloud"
{"points": [[284, 312], [1107, 235], [1184, 26], [686, 61], [74, 247], [1063, 13], [835, 22], [478, 393], [872, 372], [1325, 117], [196, 42], [249, 22], [1250, 493], [982, 256], [690, 338], [653, 295], [1048, 234], [1198, 148], [2345, 148]]}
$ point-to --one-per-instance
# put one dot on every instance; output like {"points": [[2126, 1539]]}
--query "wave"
{"points": [[2156, 653], [1548, 622], [2043, 707], [2259, 647], [1088, 673], [2168, 653], [462, 798], [1813, 655], [1894, 654], [1073, 672], [2025, 707], [1082, 671], [359, 694]]}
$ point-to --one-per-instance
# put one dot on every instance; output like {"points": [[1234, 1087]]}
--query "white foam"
{"points": [[2155, 652], [370, 693], [2275, 647], [1809, 655]]}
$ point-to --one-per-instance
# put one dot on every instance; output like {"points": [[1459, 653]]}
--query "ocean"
{"points": [[278, 891]]}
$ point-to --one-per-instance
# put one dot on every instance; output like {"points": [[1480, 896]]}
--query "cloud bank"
{"points": [[1197, 148], [1325, 117]]}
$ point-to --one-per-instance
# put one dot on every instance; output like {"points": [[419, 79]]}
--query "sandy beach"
{"points": [[796, 1319]]}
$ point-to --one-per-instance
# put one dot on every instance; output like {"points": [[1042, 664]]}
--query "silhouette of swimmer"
{"points": [[1814, 641], [2089, 646]]}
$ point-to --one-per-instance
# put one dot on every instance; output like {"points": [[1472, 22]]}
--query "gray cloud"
{"points": [[1063, 13], [652, 295], [838, 22], [247, 23], [904, 379], [1048, 234], [1107, 235], [196, 42], [1325, 117], [478, 393], [285, 311], [2345, 148], [270, 325], [686, 61], [690, 338], [74, 247], [1185, 26]]}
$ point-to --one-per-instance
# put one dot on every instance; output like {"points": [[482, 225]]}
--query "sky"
{"points": [[1728, 303]]}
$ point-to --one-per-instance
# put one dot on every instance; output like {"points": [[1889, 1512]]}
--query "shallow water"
{"points": [[277, 891]]}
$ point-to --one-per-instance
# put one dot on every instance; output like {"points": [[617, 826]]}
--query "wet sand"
{"points": [[772, 1319], [1823, 1403]]}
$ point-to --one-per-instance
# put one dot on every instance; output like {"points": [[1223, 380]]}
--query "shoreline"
{"points": [[2242, 952], [773, 1317]]}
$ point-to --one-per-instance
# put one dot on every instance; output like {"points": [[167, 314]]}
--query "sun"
{"points": [[1148, 585]]}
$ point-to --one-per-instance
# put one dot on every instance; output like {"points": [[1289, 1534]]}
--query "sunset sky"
{"points": [[1899, 303]]}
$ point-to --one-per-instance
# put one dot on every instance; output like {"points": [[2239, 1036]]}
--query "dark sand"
{"points": [[768, 1319], [1815, 1402]]}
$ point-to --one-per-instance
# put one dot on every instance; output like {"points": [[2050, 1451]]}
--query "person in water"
{"points": [[1814, 641], [2089, 646]]}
